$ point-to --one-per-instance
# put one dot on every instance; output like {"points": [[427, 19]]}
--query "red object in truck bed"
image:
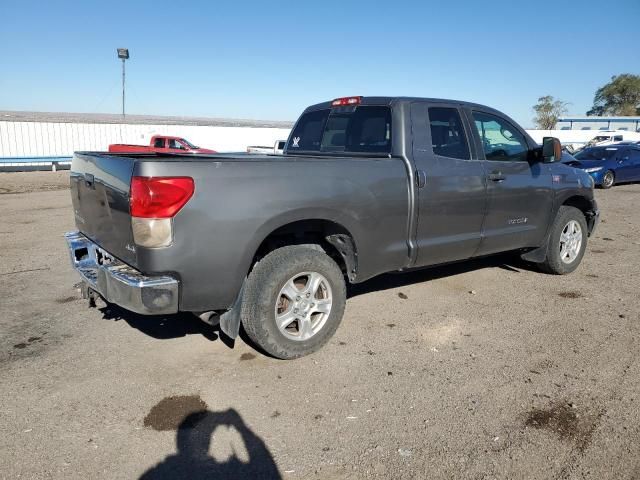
{"points": [[160, 144]]}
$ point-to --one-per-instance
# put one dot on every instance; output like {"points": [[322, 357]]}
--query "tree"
{"points": [[548, 109], [621, 96]]}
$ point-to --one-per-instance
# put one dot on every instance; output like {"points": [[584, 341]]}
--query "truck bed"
{"points": [[230, 156], [239, 200]]}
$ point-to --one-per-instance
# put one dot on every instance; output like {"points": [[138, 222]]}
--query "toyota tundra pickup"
{"points": [[366, 185]]}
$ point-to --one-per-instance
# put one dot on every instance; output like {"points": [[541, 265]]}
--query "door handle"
{"points": [[496, 176], [421, 178]]}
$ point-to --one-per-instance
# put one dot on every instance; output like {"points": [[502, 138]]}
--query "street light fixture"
{"points": [[123, 53]]}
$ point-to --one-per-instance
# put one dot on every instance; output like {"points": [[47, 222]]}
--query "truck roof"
{"points": [[170, 137], [397, 100]]}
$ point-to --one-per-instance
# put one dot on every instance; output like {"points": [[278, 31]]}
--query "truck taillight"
{"points": [[154, 201], [159, 197], [340, 102]]}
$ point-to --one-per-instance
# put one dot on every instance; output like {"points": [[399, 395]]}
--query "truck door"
{"points": [[451, 185], [520, 193], [627, 164], [634, 158]]}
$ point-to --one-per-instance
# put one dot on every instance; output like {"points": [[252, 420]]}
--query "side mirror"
{"points": [[551, 150]]}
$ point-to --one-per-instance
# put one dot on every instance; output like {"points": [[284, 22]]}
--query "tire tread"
{"points": [[552, 264], [257, 301]]}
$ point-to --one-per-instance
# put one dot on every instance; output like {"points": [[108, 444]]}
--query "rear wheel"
{"points": [[567, 242], [608, 179], [294, 300]]}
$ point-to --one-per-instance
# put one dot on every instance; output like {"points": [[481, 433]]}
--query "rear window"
{"points": [[346, 129], [447, 134]]}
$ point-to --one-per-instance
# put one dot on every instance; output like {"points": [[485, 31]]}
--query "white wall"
{"points": [[35, 139]]}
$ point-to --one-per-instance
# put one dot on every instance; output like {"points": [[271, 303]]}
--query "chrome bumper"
{"points": [[119, 283]]}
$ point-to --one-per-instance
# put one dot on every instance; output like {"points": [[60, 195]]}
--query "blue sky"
{"points": [[270, 59]]}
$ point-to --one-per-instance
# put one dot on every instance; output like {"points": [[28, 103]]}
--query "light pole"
{"points": [[123, 53]]}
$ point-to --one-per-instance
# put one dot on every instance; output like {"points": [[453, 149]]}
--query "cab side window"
{"points": [[158, 143], [447, 133], [173, 143], [501, 140]]}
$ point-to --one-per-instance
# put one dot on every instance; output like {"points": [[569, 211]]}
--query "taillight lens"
{"points": [[341, 102], [154, 201], [152, 232], [159, 197]]}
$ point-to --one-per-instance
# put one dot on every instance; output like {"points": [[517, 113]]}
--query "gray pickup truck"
{"points": [[366, 185]]}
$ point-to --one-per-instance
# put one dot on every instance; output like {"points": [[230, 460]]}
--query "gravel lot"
{"points": [[486, 369]]}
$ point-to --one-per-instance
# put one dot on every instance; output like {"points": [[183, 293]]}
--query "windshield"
{"points": [[344, 129], [188, 144], [596, 153]]}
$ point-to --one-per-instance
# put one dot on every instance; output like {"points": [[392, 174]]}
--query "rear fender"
{"points": [[231, 319]]}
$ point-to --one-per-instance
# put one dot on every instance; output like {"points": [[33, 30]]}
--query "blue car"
{"points": [[609, 164]]}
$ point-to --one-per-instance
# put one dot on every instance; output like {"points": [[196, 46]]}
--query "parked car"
{"points": [[277, 149], [609, 165], [611, 137], [160, 144], [366, 185]]}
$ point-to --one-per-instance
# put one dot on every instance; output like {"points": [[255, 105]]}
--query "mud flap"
{"points": [[230, 320], [536, 255], [346, 248]]}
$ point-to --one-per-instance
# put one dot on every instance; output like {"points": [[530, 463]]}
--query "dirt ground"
{"points": [[486, 369]]}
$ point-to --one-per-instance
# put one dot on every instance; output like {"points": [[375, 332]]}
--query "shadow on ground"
{"points": [[165, 327], [237, 454], [162, 327], [510, 262]]}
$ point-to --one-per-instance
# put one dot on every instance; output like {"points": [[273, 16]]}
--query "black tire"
{"points": [[608, 179], [553, 263], [262, 294]]}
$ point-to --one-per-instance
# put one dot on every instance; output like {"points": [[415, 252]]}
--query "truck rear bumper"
{"points": [[119, 283]]}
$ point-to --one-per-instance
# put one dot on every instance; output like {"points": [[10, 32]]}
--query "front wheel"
{"points": [[608, 179], [294, 300], [567, 242]]}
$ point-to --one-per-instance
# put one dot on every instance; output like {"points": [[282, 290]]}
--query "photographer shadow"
{"points": [[193, 460]]}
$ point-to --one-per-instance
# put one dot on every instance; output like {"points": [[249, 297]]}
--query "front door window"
{"points": [[176, 144], [501, 140]]}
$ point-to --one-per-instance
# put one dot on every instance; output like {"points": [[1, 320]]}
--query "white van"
{"points": [[609, 137]]}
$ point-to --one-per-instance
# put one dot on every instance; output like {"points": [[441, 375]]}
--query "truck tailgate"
{"points": [[100, 186]]}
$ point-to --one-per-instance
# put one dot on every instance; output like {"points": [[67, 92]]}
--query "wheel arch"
{"points": [[586, 205], [334, 238]]}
